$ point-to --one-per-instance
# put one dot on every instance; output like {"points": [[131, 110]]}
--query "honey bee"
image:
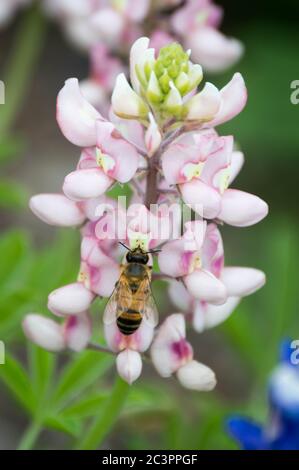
{"points": [[132, 299]]}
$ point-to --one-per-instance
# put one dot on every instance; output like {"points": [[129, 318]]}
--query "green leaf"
{"points": [[42, 368], [15, 378], [86, 407], [67, 425], [14, 246], [82, 372]]}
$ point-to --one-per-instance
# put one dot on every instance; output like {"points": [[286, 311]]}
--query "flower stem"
{"points": [[104, 422], [30, 436], [24, 55]]}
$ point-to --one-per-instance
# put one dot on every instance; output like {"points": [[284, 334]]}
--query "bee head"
{"points": [[137, 257]]}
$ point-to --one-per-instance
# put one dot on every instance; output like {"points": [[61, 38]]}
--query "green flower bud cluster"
{"points": [[166, 80]]}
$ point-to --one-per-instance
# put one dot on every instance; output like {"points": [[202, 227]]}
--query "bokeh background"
{"points": [[36, 258]]}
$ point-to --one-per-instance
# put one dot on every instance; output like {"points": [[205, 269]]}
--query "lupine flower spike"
{"points": [[160, 139]]}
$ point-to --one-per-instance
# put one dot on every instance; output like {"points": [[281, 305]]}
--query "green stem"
{"points": [[103, 423], [30, 436], [25, 52]]}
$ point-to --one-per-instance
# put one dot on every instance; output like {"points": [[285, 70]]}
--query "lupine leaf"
{"points": [[82, 372], [15, 378]]}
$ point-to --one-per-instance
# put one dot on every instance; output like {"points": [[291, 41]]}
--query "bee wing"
{"points": [[150, 311], [110, 312], [120, 300], [151, 314]]}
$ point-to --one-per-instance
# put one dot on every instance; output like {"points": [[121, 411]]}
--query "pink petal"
{"points": [[77, 331], [75, 116], [105, 279], [207, 316], [205, 286], [174, 260], [129, 365], [163, 355], [44, 332], [218, 161], [213, 251], [85, 184], [56, 209], [197, 376], [71, 299], [179, 296], [203, 199], [233, 100], [241, 281], [214, 51], [242, 209], [176, 157], [125, 156]]}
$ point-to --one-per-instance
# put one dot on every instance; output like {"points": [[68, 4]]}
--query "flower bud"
{"points": [[129, 365]]}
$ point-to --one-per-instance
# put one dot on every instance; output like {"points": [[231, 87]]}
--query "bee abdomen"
{"points": [[128, 322]]}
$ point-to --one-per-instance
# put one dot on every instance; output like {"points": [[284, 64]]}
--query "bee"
{"points": [[132, 299]]}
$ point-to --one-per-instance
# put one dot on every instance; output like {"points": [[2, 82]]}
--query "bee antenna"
{"points": [[153, 251], [125, 246]]}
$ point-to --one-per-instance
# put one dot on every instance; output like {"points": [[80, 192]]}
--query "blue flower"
{"points": [[282, 430]]}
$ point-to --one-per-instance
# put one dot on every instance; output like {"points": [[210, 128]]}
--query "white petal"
{"points": [[207, 316], [70, 300], [204, 105], [76, 117], [125, 101], [241, 281], [44, 332], [56, 209], [203, 285], [196, 376]]}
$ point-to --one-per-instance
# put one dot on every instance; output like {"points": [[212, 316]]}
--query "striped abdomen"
{"points": [[129, 321], [129, 317]]}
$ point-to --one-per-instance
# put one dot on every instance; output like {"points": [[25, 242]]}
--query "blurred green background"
{"points": [[59, 395]]}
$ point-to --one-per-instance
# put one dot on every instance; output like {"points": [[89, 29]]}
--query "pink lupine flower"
{"points": [[71, 299], [203, 172], [112, 159], [57, 209], [202, 314], [197, 262], [74, 333], [98, 271], [128, 349], [87, 22], [136, 226], [171, 353], [76, 117], [197, 24], [213, 107]]}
